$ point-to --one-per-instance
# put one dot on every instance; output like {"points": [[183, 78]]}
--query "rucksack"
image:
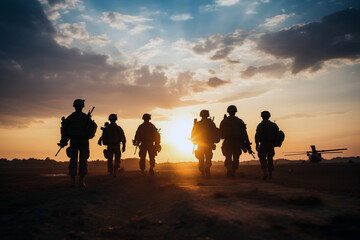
{"points": [[91, 129], [279, 138], [216, 135]]}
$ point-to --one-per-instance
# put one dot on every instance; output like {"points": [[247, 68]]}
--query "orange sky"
{"points": [[130, 58]]}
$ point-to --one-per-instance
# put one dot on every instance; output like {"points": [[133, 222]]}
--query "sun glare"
{"points": [[179, 133]]}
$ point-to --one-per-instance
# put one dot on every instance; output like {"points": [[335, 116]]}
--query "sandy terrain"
{"points": [[302, 202]]}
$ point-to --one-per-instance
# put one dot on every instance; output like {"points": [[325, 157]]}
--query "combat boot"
{"points": [[72, 181], [82, 182], [143, 172], [151, 172]]}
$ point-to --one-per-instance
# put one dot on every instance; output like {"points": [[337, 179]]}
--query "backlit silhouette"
{"points": [[233, 131], [205, 134], [79, 128], [265, 139], [147, 138], [112, 136], [315, 155]]}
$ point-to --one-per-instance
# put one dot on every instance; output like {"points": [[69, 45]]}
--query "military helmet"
{"points": [[113, 117], [231, 108], [79, 103], [265, 114], [146, 116], [204, 113]]}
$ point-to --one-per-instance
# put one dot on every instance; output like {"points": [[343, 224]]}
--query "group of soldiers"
{"points": [[78, 127], [232, 129]]}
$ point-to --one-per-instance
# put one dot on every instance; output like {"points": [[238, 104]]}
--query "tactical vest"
{"points": [[205, 132], [147, 132], [232, 128], [267, 132], [113, 134]]}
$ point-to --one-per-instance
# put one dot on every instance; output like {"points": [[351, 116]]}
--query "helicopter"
{"points": [[315, 155]]}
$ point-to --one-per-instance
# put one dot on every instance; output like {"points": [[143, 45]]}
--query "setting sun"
{"points": [[178, 134]]}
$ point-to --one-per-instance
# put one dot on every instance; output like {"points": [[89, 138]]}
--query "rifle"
{"points": [[90, 111], [58, 150], [61, 131], [136, 144]]}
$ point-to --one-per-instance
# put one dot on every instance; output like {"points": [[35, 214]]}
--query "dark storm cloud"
{"points": [[337, 36], [223, 45], [275, 70], [216, 82], [39, 78]]}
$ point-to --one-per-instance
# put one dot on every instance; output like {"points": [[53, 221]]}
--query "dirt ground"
{"points": [[301, 202]]}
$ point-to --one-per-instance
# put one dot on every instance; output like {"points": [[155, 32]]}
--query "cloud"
{"points": [[74, 30], [245, 93], [309, 115], [120, 21], [70, 31], [226, 2], [99, 40], [64, 4], [140, 28], [53, 16], [275, 70], [220, 46], [40, 78], [181, 17], [274, 21], [216, 82], [337, 36], [86, 17]]}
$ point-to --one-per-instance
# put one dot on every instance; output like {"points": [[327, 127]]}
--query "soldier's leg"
{"points": [[84, 155], [263, 161], [142, 155], [72, 153], [271, 154], [110, 154], [117, 153], [208, 156], [199, 154], [152, 153], [226, 151], [236, 158]]}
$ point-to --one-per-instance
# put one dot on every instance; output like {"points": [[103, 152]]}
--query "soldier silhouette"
{"points": [[265, 138], [233, 131], [79, 128], [147, 138], [205, 134], [112, 136]]}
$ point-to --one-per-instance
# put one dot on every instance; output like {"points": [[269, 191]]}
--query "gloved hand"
{"points": [[63, 143], [123, 149], [250, 151]]}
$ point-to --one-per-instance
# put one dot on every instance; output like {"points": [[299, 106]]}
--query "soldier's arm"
{"points": [[257, 135]]}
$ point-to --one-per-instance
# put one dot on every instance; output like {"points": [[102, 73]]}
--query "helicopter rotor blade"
{"points": [[299, 152], [295, 154], [330, 150]]}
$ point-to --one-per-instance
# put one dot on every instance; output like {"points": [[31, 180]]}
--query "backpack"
{"points": [[91, 129], [279, 138], [216, 135]]}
